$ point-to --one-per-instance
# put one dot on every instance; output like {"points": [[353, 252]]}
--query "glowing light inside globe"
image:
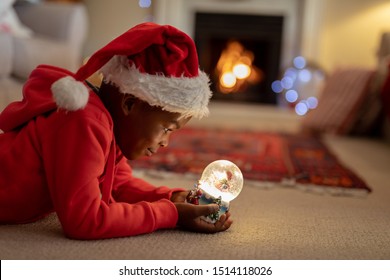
{"points": [[222, 178]]}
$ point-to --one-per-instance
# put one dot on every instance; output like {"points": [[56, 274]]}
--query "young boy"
{"points": [[65, 146]]}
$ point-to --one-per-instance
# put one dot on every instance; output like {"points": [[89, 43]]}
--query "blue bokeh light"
{"points": [[305, 75], [292, 73], [287, 82], [277, 86], [145, 3], [312, 102], [301, 108], [291, 96], [299, 85], [299, 62]]}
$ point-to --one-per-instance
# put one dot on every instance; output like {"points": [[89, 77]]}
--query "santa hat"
{"points": [[156, 63]]}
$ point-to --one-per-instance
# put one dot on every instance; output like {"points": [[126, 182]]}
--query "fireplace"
{"points": [[256, 42]]}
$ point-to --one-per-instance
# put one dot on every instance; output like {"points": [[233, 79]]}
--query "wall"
{"points": [[334, 32], [109, 19], [350, 32]]}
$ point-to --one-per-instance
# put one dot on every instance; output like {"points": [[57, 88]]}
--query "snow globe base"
{"points": [[223, 207], [198, 196]]}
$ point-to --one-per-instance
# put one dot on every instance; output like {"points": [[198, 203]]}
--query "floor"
{"points": [[249, 116]]}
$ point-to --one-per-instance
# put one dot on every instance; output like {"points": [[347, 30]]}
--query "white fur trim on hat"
{"points": [[184, 95], [70, 94]]}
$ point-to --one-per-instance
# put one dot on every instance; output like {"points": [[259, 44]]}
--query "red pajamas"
{"points": [[67, 162]]}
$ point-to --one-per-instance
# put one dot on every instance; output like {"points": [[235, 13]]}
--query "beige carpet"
{"points": [[274, 223]]}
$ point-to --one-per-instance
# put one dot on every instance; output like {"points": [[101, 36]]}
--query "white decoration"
{"points": [[187, 96], [70, 94]]}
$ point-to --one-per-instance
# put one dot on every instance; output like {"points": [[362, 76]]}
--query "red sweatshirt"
{"points": [[67, 162]]}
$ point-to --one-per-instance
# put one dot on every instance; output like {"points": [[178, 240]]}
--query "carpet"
{"points": [[265, 159]]}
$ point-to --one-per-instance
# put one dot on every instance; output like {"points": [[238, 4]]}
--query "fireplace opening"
{"points": [[241, 53]]}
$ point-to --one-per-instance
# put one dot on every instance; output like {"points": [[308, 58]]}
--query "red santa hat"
{"points": [[156, 63]]}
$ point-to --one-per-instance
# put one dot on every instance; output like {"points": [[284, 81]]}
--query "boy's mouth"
{"points": [[150, 152]]}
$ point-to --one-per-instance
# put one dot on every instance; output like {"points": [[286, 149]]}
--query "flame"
{"points": [[228, 79], [235, 68]]}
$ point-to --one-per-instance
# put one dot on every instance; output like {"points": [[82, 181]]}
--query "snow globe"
{"points": [[220, 183]]}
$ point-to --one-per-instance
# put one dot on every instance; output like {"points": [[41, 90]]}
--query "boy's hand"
{"points": [[190, 217], [179, 196]]}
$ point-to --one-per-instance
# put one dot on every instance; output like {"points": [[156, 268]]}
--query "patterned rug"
{"points": [[265, 159]]}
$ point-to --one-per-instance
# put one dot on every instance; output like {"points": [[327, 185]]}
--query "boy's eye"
{"points": [[166, 130]]}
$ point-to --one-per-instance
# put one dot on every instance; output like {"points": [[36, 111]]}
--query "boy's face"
{"points": [[142, 129]]}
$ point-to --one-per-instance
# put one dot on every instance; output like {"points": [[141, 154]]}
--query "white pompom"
{"points": [[70, 94]]}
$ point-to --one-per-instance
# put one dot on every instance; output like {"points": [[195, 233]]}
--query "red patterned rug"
{"points": [[264, 159]]}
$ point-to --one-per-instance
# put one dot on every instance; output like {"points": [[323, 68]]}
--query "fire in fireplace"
{"points": [[235, 69], [241, 53]]}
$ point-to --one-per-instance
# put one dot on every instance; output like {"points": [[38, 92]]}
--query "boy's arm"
{"points": [[131, 189]]}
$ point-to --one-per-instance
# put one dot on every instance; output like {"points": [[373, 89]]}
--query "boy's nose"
{"points": [[164, 142]]}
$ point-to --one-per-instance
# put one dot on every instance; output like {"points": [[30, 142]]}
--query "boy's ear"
{"points": [[127, 104]]}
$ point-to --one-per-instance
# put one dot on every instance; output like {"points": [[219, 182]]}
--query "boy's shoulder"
{"points": [[94, 111]]}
